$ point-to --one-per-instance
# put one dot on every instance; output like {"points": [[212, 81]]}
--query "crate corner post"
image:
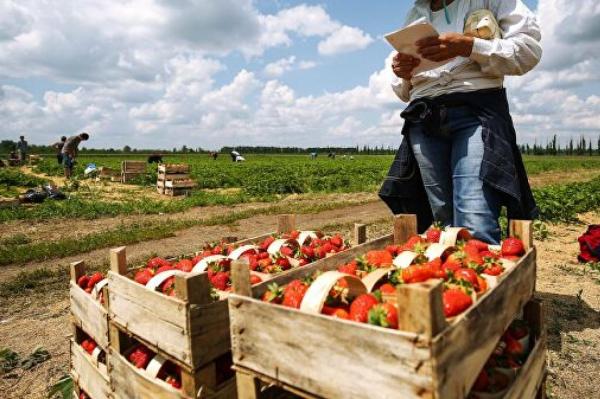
{"points": [[286, 223], [118, 260], [422, 312], [522, 229], [405, 225], [360, 233]]}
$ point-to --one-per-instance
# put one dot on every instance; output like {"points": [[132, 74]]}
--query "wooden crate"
{"points": [[87, 372], [88, 313], [133, 167], [530, 382], [320, 356], [172, 176], [129, 382], [128, 177], [176, 192], [183, 183], [190, 327], [174, 169]]}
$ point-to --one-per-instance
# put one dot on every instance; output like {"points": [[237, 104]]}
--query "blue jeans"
{"points": [[450, 170]]}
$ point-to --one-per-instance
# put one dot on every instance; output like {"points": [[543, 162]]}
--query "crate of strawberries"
{"points": [[89, 366], [400, 315], [177, 306]]}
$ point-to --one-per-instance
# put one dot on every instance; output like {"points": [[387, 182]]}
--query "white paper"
{"points": [[403, 41]]}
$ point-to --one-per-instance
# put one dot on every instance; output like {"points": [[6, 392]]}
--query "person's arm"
{"points": [[402, 85], [519, 50]]}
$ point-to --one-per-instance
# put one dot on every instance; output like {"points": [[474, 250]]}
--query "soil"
{"points": [[571, 296]]}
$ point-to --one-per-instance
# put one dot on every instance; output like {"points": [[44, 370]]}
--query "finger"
{"points": [[428, 51], [407, 63], [400, 57], [443, 56], [428, 41]]}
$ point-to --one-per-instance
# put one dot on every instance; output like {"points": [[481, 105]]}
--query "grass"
{"points": [[139, 232]]}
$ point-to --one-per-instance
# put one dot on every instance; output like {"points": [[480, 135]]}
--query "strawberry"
{"points": [[267, 242], [263, 255], [327, 247], [384, 315], [320, 252], [512, 247], [142, 276], [83, 281], [89, 345], [283, 263], [467, 274], [185, 265], [518, 329], [273, 294], [336, 241], [387, 288], [88, 289], [472, 256], [164, 268], [287, 251], [434, 233], [482, 284], [454, 261], [411, 242], [482, 382], [359, 309], [488, 254], [349, 268], [394, 250], [254, 279], [303, 262], [480, 245], [168, 287], [455, 301], [197, 259], [492, 268], [95, 279], [514, 347], [293, 293], [308, 252], [140, 356], [435, 265], [379, 258], [416, 274], [220, 280], [341, 313]]}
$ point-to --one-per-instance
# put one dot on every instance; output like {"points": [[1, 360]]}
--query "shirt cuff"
{"points": [[402, 89], [482, 49]]}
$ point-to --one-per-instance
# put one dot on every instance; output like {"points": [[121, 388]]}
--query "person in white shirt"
{"points": [[454, 140]]}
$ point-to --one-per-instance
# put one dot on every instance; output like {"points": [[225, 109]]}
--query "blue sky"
{"points": [[157, 73]]}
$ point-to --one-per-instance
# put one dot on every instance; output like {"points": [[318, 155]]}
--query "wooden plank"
{"points": [[360, 233], [89, 315], [131, 383], [209, 325], [286, 223], [172, 176], [530, 379], [193, 288], [420, 308], [77, 269], [248, 387], [240, 276], [300, 349], [118, 260], [467, 343], [404, 227], [92, 379]]}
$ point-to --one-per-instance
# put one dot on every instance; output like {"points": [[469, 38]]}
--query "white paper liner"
{"points": [[160, 278], [404, 259], [436, 250], [155, 365], [202, 265], [317, 293], [373, 278], [96, 354], [277, 244], [305, 235], [236, 253], [98, 288], [449, 236]]}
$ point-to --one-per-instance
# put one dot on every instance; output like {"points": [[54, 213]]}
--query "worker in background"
{"points": [[70, 151], [58, 146], [22, 150]]}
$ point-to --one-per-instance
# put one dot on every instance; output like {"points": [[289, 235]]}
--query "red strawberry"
{"points": [[514, 347], [283, 263], [220, 280], [287, 251], [379, 258], [410, 244], [155, 263], [142, 276], [384, 315], [320, 252], [263, 255], [359, 309], [83, 281], [488, 254], [394, 250], [349, 268], [168, 287], [492, 268], [434, 233], [327, 247], [141, 356], [273, 294], [267, 242], [467, 274], [164, 268], [416, 274], [480, 245], [185, 265], [88, 289], [308, 252], [455, 301], [336, 241], [254, 279], [512, 247], [472, 256], [454, 261], [387, 288], [303, 262], [518, 329], [341, 313], [293, 293], [482, 382], [89, 345], [94, 279], [197, 259]]}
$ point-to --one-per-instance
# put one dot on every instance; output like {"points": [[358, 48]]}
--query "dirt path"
{"points": [[562, 177], [572, 300], [192, 239]]}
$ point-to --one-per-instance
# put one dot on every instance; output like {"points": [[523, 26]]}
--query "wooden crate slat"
{"points": [[172, 176], [268, 339], [92, 379], [89, 314], [467, 343]]}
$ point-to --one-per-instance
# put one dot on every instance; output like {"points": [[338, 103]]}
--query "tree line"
{"points": [[553, 147]]}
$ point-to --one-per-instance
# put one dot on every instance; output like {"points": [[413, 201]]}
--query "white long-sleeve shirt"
{"points": [[516, 53]]}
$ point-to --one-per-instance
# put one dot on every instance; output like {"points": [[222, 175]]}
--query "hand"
{"points": [[403, 65], [445, 46]]}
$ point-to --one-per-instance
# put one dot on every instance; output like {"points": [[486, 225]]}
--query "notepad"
{"points": [[403, 41]]}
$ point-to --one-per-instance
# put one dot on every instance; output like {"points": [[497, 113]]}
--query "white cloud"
{"points": [[278, 68], [344, 40]]}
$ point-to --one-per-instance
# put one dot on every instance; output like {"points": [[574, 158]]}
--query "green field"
{"points": [[264, 178]]}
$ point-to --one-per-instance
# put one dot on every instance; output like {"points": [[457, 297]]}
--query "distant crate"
{"points": [[133, 167], [174, 168], [108, 173]]}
